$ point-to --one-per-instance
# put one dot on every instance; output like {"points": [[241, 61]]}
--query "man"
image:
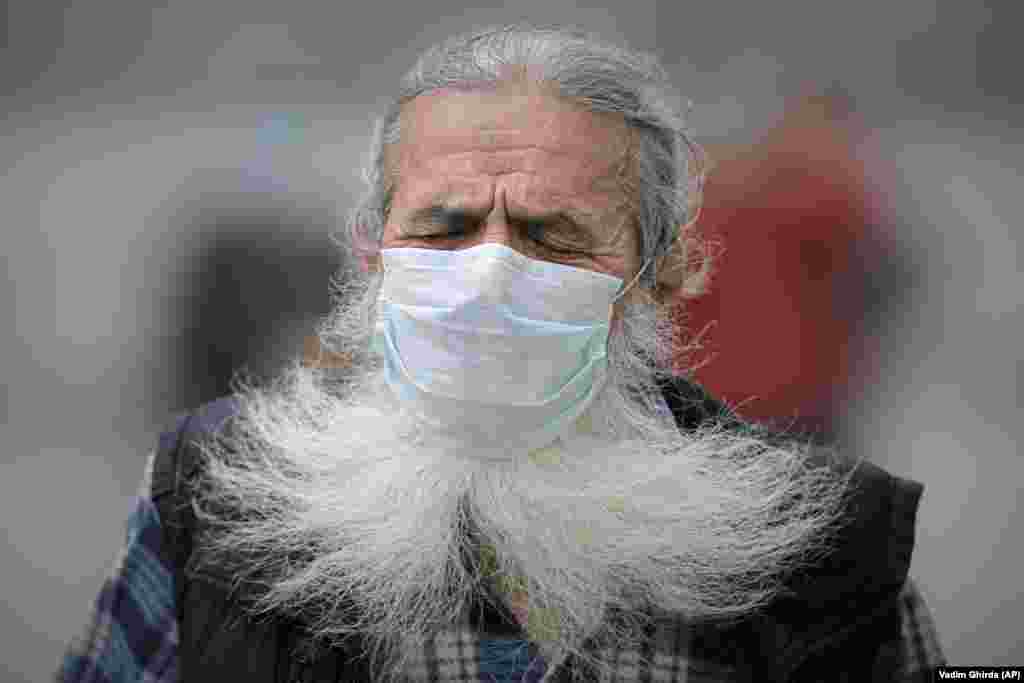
{"points": [[503, 481]]}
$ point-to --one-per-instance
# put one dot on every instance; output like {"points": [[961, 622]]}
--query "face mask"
{"points": [[496, 351]]}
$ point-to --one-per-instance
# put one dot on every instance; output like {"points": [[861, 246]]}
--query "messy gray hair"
{"points": [[599, 76]]}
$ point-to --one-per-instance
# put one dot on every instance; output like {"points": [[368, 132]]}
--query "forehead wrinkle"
{"points": [[451, 193], [590, 198], [608, 195], [566, 165], [450, 116]]}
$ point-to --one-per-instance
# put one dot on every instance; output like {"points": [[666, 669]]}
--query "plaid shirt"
{"points": [[133, 633]]}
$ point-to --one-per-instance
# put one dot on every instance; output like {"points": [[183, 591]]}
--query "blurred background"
{"points": [[171, 176]]}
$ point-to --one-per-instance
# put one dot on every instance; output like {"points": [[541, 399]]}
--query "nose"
{"points": [[497, 229]]}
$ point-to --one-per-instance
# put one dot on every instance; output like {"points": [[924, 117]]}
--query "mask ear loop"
{"points": [[688, 226], [611, 306], [632, 282]]}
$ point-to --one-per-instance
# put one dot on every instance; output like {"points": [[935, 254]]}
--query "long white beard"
{"points": [[358, 518]]}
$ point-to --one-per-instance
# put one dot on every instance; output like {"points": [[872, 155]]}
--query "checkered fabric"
{"points": [[133, 634]]}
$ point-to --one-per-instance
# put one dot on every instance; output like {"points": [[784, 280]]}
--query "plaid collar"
{"points": [[481, 650], [501, 637]]}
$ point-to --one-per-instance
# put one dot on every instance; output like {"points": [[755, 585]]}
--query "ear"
{"points": [[672, 269], [676, 266], [685, 267]]}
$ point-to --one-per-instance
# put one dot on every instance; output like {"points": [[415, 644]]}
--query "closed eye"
{"points": [[556, 234], [547, 236], [453, 223]]}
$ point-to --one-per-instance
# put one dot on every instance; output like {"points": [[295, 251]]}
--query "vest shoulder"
{"points": [[210, 417], [871, 548], [196, 425], [846, 605], [868, 556], [693, 406], [206, 419]]}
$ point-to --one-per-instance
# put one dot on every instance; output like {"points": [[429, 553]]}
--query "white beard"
{"points": [[337, 495]]}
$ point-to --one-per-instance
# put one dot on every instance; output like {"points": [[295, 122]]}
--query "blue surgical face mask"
{"points": [[498, 351]]}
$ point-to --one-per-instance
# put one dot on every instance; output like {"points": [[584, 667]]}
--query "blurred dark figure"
{"points": [[812, 268], [258, 283]]}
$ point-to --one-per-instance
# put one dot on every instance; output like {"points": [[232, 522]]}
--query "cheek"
{"points": [[620, 255], [618, 266]]}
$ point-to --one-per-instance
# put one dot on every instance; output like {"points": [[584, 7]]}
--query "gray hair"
{"points": [[583, 69]]}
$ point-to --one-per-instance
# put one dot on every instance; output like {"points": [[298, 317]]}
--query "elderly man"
{"points": [[504, 481]]}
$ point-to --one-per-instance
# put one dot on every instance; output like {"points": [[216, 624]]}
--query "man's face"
{"points": [[519, 167]]}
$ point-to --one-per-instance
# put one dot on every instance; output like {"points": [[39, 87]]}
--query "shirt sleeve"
{"points": [[920, 651], [132, 634]]}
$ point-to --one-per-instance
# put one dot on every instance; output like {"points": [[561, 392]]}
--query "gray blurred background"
{"points": [[171, 174]]}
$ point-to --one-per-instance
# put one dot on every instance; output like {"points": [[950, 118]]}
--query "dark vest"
{"points": [[839, 621]]}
